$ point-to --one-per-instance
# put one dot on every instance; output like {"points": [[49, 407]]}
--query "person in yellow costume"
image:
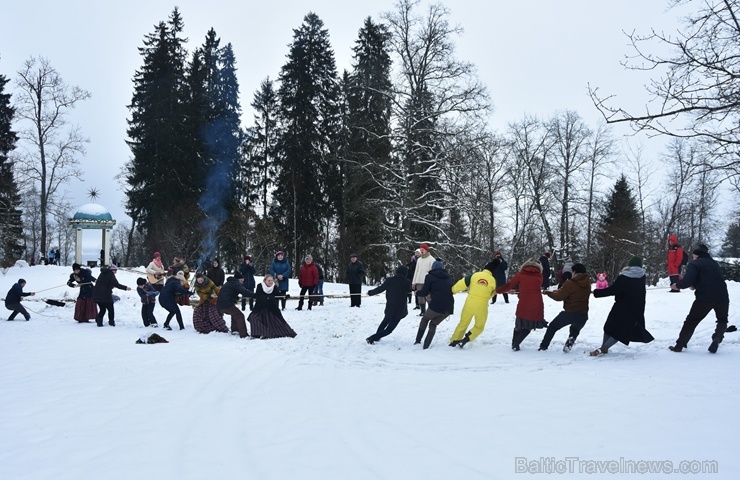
{"points": [[481, 287]]}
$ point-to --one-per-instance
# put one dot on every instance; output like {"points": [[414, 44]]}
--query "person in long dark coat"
{"points": [[626, 320], [85, 307], [396, 308], [215, 273], [248, 271], [103, 294], [411, 267], [266, 318], [546, 273], [355, 279], [710, 291], [168, 299], [500, 276], [438, 286]]}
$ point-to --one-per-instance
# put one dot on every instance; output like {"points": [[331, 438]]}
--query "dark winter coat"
{"points": [[85, 277], [216, 275], [320, 270], [266, 301], [546, 273], [396, 288], [500, 273], [308, 275], [529, 282], [147, 293], [626, 320], [281, 268], [171, 290], [229, 293], [411, 267], [706, 277], [248, 272], [575, 293], [355, 273], [438, 284], [15, 294], [104, 285]]}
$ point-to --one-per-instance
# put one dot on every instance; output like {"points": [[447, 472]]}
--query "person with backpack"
{"points": [[677, 258]]}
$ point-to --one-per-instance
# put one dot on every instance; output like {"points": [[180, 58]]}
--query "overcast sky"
{"points": [[535, 56]]}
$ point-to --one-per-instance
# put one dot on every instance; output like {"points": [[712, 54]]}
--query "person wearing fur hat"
{"points": [[179, 265], [438, 286], [308, 278], [148, 296], [103, 294], [480, 286], [13, 300], [226, 303], [530, 309], [85, 307], [215, 273], [206, 317], [396, 308], [281, 271], [626, 320], [574, 295], [546, 272], [173, 290], [248, 272], [155, 272], [423, 266], [710, 292], [355, 278], [266, 318], [500, 276], [674, 259]]}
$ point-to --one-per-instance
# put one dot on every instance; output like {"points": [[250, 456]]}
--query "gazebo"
{"points": [[92, 217]]}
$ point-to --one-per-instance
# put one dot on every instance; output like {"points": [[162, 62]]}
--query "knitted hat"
{"points": [[309, 258], [180, 273], [547, 254], [248, 257], [424, 246], [279, 252], [578, 268], [113, 267], [238, 275], [156, 255], [635, 262], [140, 281], [402, 271], [437, 265], [352, 255], [497, 254], [700, 249], [75, 266], [417, 251], [20, 280]]}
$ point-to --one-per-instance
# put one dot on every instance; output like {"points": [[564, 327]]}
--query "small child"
{"points": [[13, 300], [148, 296], [601, 282]]}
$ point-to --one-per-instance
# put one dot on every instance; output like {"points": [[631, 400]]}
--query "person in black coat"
{"points": [[355, 279], [103, 294], [85, 307], [215, 273], [13, 300], [545, 261], [710, 291], [500, 276], [396, 307], [411, 267], [438, 285], [248, 271], [168, 299], [226, 303], [626, 320], [266, 318]]}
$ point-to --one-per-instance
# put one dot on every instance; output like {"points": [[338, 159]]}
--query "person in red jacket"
{"points": [[530, 309], [308, 278], [675, 259]]}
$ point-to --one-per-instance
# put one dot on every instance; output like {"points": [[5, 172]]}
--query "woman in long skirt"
{"points": [[85, 307], [206, 318], [266, 319]]}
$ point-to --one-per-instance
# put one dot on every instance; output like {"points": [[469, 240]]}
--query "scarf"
{"points": [[266, 289]]}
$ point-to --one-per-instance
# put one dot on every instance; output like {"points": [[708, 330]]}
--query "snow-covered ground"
{"points": [[81, 402]]}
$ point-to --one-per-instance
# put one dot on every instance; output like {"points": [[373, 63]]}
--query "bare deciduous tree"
{"points": [[49, 144]]}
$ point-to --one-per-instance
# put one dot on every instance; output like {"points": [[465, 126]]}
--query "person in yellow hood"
{"points": [[481, 287]]}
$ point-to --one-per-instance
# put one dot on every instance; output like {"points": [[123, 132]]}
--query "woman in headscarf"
{"points": [[206, 317]]}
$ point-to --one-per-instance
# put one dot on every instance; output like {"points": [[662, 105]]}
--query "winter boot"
{"points": [[465, 340], [455, 343], [569, 344], [675, 348], [716, 340], [370, 340]]}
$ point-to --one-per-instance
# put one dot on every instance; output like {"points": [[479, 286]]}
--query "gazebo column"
{"points": [[78, 246], [106, 246]]}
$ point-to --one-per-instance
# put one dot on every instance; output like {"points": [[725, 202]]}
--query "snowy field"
{"points": [[82, 402]]}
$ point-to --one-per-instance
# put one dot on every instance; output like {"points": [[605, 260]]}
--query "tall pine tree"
{"points": [[618, 232], [11, 228], [309, 115]]}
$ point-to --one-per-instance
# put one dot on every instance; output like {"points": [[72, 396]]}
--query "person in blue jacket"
{"points": [[172, 290], [281, 271]]}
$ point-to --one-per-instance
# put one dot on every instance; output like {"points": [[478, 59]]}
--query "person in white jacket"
{"points": [[423, 266]]}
